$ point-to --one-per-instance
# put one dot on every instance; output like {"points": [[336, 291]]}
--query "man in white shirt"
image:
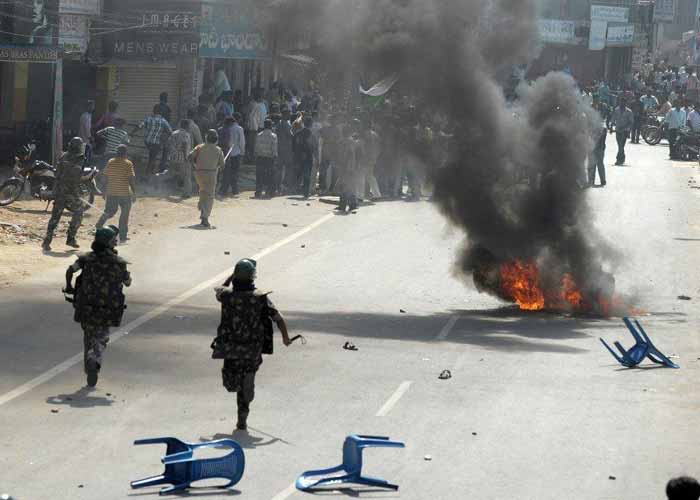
{"points": [[649, 102], [676, 118], [694, 119], [85, 130]]}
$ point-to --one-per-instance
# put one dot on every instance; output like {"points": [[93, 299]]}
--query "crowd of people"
{"points": [[298, 147]]}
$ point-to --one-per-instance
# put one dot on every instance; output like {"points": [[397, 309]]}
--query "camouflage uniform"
{"points": [[99, 301], [246, 323], [69, 171]]}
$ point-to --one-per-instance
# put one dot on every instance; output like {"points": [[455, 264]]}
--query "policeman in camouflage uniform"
{"points": [[245, 333], [69, 174], [98, 296]]}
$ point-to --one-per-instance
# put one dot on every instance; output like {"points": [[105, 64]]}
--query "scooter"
{"points": [[41, 177]]}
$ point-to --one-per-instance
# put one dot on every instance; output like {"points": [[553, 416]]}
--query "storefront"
{"points": [[138, 65], [31, 112]]}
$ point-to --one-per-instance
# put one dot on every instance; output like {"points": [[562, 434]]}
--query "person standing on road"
{"points": [[676, 119], [208, 159], [194, 129], [352, 178], [622, 119], [306, 150], [694, 118], [244, 335], [265, 157], [232, 143], [120, 192], [98, 297], [156, 127], [69, 175], [85, 128], [285, 160], [638, 112], [596, 160], [179, 146]]}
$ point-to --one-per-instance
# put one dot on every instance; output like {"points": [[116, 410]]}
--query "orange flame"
{"points": [[520, 281]]}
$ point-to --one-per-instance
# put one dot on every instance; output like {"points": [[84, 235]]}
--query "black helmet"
{"points": [[245, 270], [76, 147]]}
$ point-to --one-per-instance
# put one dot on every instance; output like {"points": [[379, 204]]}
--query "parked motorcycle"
{"points": [[41, 177], [688, 145], [652, 134]]}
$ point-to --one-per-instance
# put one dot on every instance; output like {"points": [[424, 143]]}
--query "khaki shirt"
{"points": [[207, 157]]}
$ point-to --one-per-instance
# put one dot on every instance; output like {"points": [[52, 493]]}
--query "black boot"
{"points": [[46, 245], [72, 243], [93, 370]]}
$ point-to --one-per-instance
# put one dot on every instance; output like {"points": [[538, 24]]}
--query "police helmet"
{"points": [[245, 270], [76, 146]]}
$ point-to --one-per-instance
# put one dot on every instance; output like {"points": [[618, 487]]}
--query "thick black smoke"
{"points": [[447, 53]]}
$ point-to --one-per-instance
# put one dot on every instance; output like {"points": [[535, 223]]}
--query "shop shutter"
{"points": [[140, 87]]}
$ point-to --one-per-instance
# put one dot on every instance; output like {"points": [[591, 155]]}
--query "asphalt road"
{"points": [[536, 409]]}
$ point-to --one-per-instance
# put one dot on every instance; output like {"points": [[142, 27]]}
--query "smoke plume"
{"points": [[512, 181]]}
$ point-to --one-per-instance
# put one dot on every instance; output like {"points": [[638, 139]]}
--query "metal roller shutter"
{"points": [[140, 87]]}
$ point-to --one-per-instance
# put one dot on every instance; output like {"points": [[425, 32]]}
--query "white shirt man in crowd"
{"points": [[676, 119]]}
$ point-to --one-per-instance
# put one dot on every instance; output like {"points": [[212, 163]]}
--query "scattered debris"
{"points": [[54, 411], [684, 297], [285, 225], [81, 486], [402, 311], [108, 394], [300, 338], [303, 246], [227, 252], [427, 458], [349, 346], [445, 374], [308, 204], [612, 478], [426, 359], [155, 214], [473, 433]]}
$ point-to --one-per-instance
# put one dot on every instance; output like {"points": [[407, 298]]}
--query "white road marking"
{"points": [[447, 328], [152, 314], [286, 493], [398, 393]]}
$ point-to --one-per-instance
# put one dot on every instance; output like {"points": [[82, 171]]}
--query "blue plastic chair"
{"points": [[351, 466], [643, 348], [182, 469]]}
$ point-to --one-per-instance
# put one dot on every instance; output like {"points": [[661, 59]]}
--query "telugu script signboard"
{"points": [[609, 13], [73, 33], [84, 7], [664, 11], [555, 31], [620, 36], [232, 31]]}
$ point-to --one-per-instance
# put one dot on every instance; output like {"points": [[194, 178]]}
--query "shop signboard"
{"points": [[233, 31], [556, 31], [664, 11], [609, 13], [84, 7], [597, 36], [620, 36], [160, 34], [73, 33], [29, 53]]}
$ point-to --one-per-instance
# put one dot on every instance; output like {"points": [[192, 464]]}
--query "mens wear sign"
{"points": [[609, 13], [556, 31], [233, 31]]}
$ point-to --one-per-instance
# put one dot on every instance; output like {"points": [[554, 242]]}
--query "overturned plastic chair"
{"points": [[643, 348], [182, 469], [351, 466]]}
